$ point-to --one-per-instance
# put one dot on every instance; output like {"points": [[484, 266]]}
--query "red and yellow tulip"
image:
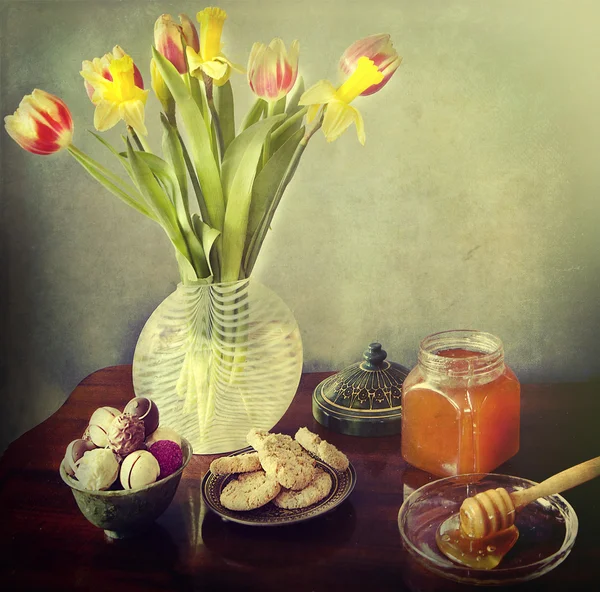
{"points": [[272, 70], [42, 124], [339, 114], [169, 38], [116, 93], [380, 50]]}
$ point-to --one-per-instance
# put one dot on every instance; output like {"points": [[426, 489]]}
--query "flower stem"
{"points": [[267, 146], [214, 116], [259, 236]]}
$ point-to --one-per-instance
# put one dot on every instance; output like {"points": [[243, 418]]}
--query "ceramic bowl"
{"points": [[547, 530], [127, 512]]}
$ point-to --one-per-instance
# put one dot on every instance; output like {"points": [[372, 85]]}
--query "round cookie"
{"points": [[314, 492], [249, 491], [242, 463], [284, 458]]}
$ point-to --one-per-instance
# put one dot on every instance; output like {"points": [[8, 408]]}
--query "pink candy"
{"points": [[169, 456]]}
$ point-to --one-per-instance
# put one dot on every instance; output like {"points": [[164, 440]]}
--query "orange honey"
{"points": [[460, 405]]}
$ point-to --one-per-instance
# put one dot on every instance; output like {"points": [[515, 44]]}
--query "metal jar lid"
{"points": [[364, 399]]}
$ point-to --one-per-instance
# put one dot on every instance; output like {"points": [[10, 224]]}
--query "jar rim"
{"points": [[488, 352]]}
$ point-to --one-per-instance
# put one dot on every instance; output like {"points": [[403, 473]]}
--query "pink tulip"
{"points": [[101, 65], [272, 71], [377, 48], [42, 124], [168, 39]]}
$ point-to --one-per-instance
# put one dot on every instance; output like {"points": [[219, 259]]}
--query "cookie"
{"points": [[249, 491], [314, 492], [243, 463], [284, 459], [256, 437], [327, 452]]}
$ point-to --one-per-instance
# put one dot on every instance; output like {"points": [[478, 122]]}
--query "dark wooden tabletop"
{"points": [[46, 543]]}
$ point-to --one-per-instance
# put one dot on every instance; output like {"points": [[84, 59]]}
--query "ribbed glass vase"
{"points": [[219, 360]]}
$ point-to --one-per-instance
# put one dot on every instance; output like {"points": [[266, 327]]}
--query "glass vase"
{"points": [[219, 360]]}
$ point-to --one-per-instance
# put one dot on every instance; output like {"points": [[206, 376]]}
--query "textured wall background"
{"points": [[473, 204]]}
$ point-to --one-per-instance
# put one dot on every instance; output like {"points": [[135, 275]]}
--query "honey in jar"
{"points": [[460, 405]]}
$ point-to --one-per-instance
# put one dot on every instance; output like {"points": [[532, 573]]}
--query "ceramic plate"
{"points": [[343, 483]]}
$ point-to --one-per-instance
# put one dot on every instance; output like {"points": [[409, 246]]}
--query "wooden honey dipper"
{"points": [[494, 510]]}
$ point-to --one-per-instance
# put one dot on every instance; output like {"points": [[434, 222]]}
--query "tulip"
{"points": [[101, 66], [117, 96], [42, 124], [169, 38], [339, 114], [272, 71], [380, 50], [209, 59]]}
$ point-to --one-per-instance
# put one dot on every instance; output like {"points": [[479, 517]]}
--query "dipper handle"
{"points": [[557, 483]]}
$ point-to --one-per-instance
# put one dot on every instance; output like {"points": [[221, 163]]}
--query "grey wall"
{"points": [[473, 204]]}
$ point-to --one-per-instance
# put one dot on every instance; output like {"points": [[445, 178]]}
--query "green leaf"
{"points": [[125, 192], [266, 184], [146, 181], [294, 96], [239, 170], [202, 155], [223, 97], [287, 129], [173, 151], [168, 178], [208, 237], [279, 107], [254, 114]]}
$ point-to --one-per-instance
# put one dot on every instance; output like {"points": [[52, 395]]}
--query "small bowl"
{"points": [[547, 529], [127, 512]]}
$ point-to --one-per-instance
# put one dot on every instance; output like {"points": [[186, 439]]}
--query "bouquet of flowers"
{"points": [[214, 190]]}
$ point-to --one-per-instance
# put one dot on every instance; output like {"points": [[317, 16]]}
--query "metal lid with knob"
{"points": [[364, 399]]}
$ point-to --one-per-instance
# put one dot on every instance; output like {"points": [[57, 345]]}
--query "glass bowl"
{"points": [[547, 529]]}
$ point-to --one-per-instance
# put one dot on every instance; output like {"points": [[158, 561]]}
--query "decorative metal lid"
{"points": [[364, 399]]}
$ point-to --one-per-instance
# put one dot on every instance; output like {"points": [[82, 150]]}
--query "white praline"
{"points": [[138, 469], [98, 469], [100, 423]]}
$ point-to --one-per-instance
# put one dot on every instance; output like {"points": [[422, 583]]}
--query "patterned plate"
{"points": [[343, 483]]}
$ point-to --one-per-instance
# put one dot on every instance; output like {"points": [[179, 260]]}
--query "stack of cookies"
{"points": [[280, 471]]}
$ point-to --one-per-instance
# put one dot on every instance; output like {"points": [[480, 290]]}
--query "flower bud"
{"points": [[272, 71], [42, 124], [380, 50], [169, 38], [160, 88]]}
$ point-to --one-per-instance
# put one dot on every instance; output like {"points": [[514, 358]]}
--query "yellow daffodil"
{"points": [[117, 97], [339, 115], [378, 48], [210, 60]]}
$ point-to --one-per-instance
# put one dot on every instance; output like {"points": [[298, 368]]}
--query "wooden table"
{"points": [[46, 544]]}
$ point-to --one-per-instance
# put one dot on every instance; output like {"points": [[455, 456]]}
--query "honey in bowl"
{"points": [[484, 530], [483, 553]]}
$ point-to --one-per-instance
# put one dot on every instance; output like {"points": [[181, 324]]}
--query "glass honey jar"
{"points": [[460, 405]]}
